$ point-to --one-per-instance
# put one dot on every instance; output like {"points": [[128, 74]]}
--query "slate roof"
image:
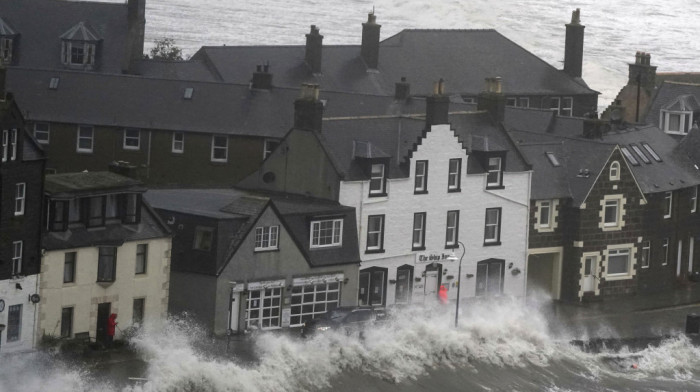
{"points": [[242, 208], [119, 100], [57, 185], [464, 58], [81, 32], [666, 94], [41, 23], [577, 154], [398, 136]]}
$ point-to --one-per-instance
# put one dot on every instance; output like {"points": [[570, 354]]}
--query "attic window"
{"points": [[53, 84], [651, 152], [640, 153], [629, 156], [6, 49], [552, 159], [188, 93]]}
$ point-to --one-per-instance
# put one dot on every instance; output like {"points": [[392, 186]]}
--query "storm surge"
{"points": [[497, 346]]}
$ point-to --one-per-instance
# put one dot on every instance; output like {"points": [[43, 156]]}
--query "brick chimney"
{"points": [[573, 50], [136, 26], [402, 90], [643, 70], [437, 106], [370, 41], [493, 100], [308, 109], [262, 78], [314, 46]]}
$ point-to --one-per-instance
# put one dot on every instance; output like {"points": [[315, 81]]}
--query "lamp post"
{"points": [[2, 328], [453, 257]]}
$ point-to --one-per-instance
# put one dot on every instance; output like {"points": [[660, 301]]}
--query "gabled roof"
{"points": [[669, 93], [464, 58], [683, 103], [241, 210], [5, 28], [81, 32], [41, 23]]}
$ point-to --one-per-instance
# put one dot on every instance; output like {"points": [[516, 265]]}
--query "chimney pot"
{"points": [[492, 99], [308, 110], [314, 48], [262, 79], [370, 41], [576, 16]]}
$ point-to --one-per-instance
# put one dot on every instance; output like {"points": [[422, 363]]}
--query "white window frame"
{"points": [[420, 183], [336, 233], [17, 250], [668, 205], [452, 230], [14, 332], [266, 238], [215, 148], [685, 121], [377, 175], [694, 199], [611, 203], [13, 144], [551, 223], [454, 177], [270, 145], [567, 107], [645, 258], [497, 225], [20, 198], [198, 238], [6, 49], [419, 229], [608, 201], [5, 144], [615, 171], [132, 142], [87, 56], [498, 171], [523, 102], [664, 250], [617, 250], [377, 234], [309, 295], [178, 146], [555, 108], [80, 137], [46, 132]]}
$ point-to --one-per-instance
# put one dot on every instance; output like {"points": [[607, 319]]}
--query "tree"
{"points": [[166, 49]]}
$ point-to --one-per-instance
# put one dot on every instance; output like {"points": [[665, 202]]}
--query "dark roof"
{"points": [[668, 93], [41, 24], [119, 100], [464, 58], [397, 137], [86, 182], [112, 234], [578, 154], [243, 208]]}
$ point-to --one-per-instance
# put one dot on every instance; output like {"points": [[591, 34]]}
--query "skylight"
{"points": [[188, 92], [53, 84], [640, 153], [629, 156], [652, 152], [552, 159]]}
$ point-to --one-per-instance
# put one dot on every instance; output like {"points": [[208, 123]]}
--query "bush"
{"points": [[166, 49]]}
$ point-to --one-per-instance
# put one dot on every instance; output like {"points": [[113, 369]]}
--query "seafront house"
{"points": [[613, 206], [21, 183], [245, 260], [104, 251], [423, 188]]}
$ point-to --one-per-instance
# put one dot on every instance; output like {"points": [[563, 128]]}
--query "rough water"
{"points": [[497, 347], [615, 30]]}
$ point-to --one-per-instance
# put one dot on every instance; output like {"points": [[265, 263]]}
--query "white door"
{"points": [[233, 320], [589, 273], [431, 283]]}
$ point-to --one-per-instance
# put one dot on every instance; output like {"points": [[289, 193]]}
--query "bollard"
{"points": [[692, 324]]}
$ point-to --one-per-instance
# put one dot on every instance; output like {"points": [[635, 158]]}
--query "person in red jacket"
{"points": [[111, 324], [443, 294]]}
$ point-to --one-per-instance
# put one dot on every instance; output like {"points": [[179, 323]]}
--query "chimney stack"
{"points": [[262, 78], [437, 106], [308, 109], [492, 99], [642, 72], [136, 25], [402, 90], [573, 49], [314, 46], [370, 41]]}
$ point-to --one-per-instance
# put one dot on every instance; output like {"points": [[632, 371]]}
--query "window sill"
{"points": [[420, 192], [454, 190], [418, 247], [383, 194], [370, 251], [105, 283], [492, 243], [611, 228], [83, 151], [264, 250], [492, 187], [617, 277], [132, 149], [452, 246]]}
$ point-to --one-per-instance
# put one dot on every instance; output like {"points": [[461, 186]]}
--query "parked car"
{"points": [[347, 319]]}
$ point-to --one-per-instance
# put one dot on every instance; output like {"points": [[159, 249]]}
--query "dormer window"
{"points": [[79, 46], [377, 182], [677, 117], [7, 40], [494, 178], [615, 171]]}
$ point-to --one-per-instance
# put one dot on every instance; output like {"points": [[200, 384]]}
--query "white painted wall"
{"points": [[13, 296], [439, 146], [86, 293]]}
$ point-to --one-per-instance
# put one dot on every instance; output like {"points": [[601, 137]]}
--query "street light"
{"points": [[2, 328], [453, 257]]}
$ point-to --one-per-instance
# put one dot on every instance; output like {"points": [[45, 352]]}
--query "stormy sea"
{"points": [[497, 347]]}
